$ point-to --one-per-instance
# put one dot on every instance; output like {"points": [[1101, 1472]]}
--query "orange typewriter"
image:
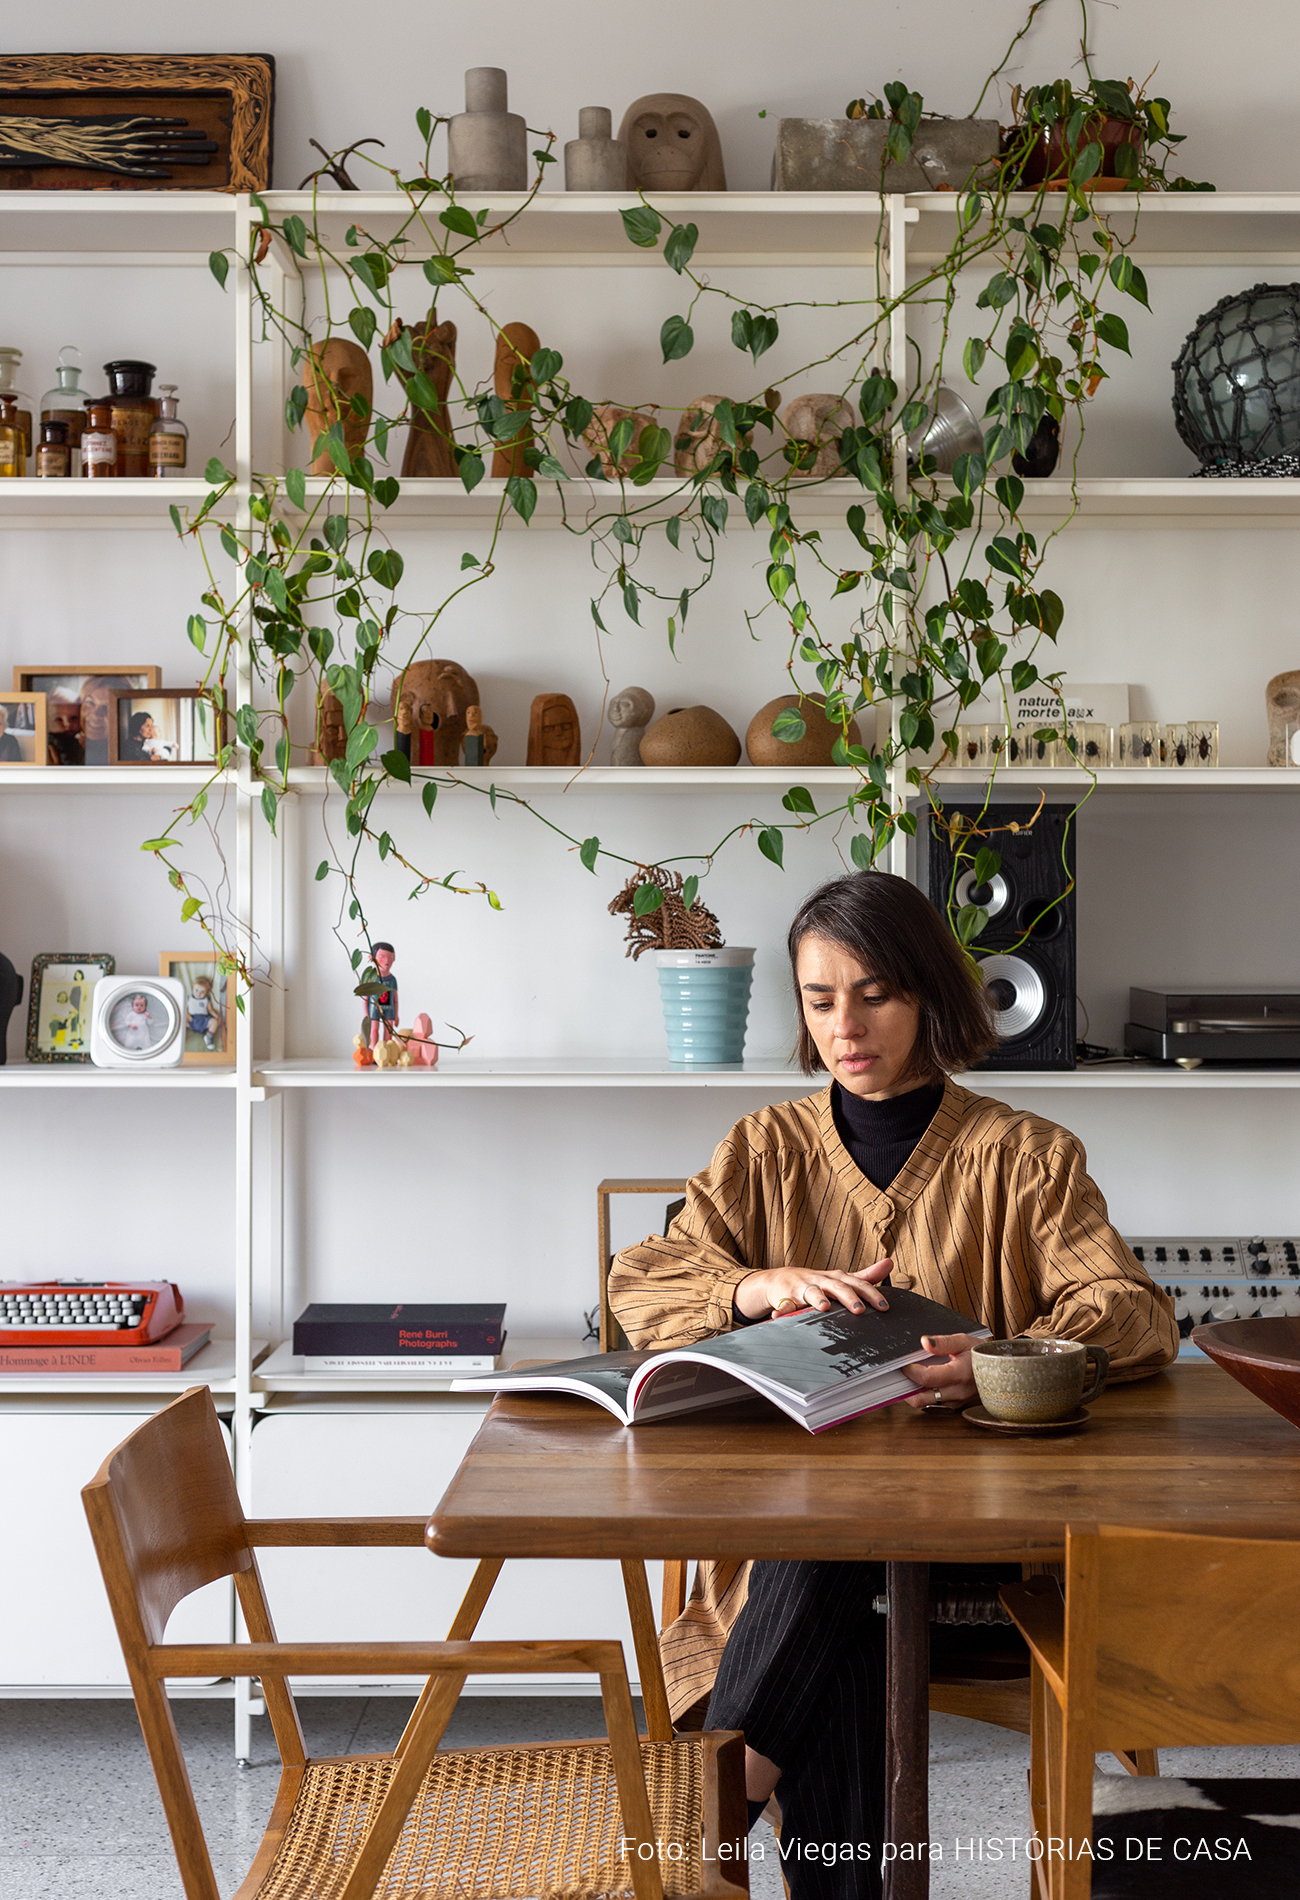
{"points": [[88, 1312]]}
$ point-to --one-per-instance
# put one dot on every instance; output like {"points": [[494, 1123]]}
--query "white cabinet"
{"points": [[397, 1461], [57, 1627]]}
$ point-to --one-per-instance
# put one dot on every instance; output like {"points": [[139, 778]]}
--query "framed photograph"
{"points": [[136, 121], [209, 1007], [58, 1012], [77, 706], [22, 729], [170, 725]]}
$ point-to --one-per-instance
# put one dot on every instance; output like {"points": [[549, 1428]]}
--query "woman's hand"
{"points": [[950, 1382], [759, 1294]]}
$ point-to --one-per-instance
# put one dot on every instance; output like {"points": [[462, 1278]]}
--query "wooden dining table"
{"points": [[1188, 1450]]}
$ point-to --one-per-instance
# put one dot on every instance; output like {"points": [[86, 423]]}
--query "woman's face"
{"points": [[864, 1037]]}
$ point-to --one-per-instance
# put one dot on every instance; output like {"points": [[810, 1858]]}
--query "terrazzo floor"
{"points": [[80, 1820]]}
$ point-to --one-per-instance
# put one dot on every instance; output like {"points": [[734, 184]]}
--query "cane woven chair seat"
{"points": [[493, 1822]]}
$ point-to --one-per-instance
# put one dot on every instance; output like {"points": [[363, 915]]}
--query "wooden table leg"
{"points": [[907, 1743]]}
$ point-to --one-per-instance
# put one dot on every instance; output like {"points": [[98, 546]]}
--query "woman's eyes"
{"points": [[872, 1001]]}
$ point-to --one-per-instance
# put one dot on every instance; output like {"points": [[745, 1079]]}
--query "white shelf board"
{"points": [[1110, 501], [1245, 229], [757, 1074], [1185, 780], [84, 1075], [108, 778], [108, 226], [26, 501], [283, 1370], [214, 1366], [593, 1072], [577, 228]]}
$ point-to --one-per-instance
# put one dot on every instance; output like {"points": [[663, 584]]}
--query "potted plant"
{"points": [[703, 982]]}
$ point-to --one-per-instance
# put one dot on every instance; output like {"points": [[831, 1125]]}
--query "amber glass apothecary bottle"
{"points": [[12, 460], [66, 403], [10, 359], [134, 412], [98, 441], [52, 451]]}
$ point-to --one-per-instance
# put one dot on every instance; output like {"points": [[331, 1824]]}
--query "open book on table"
{"points": [[820, 1368]]}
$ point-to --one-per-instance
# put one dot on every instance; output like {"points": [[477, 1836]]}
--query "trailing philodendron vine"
{"points": [[943, 604]]}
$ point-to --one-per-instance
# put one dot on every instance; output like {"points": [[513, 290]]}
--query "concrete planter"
{"points": [[706, 1003], [847, 154]]}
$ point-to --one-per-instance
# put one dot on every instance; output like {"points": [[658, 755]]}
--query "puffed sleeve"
{"points": [[1074, 1275], [675, 1290]]}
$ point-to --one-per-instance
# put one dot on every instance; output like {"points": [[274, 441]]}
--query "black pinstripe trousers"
{"points": [[803, 1674]]}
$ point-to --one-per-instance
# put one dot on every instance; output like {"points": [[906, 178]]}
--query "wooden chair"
{"points": [[1162, 1639], [166, 1519]]}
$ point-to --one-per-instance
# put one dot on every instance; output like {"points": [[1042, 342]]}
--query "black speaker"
{"points": [[1027, 950]]}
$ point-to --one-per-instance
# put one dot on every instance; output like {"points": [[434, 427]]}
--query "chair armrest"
{"points": [[1037, 1609], [399, 1659], [313, 1532]]}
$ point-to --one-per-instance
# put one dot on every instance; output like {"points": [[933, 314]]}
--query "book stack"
{"points": [[169, 1354], [401, 1339]]}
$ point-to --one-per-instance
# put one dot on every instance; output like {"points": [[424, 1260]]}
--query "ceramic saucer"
{"points": [[1023, 1429]]}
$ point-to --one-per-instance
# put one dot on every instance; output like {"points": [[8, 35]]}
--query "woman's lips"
{"points": [[855, 1061]]}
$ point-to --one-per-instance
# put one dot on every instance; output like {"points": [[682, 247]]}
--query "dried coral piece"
{"points": [[671, 926]]}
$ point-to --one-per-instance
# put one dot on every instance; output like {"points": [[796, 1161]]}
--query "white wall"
{"points": [[493, 1193]]}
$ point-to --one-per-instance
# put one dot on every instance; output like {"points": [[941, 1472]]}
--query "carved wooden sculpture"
{"points": [[480, 740], [1282, 698], [331, 732], [333, 373], [517, 345], [822, 420], [698, 440], [442, 693], [672, 145], [430, 438], [596, 435], [554, 737]]}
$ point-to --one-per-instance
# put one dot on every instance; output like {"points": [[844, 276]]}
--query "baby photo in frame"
{"points": [[170, 725], [210, 1015], [22, 729], [58, 1010], [78, 705]]}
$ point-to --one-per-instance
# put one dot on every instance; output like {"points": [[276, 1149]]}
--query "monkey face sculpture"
{"points": [[672, 145]]}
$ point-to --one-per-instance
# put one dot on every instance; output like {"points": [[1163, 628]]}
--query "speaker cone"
{"points": [[1017, 993], [992, 897]]}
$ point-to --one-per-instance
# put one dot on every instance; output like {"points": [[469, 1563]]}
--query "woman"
{"points": [[141, 746], [891, 1172]]}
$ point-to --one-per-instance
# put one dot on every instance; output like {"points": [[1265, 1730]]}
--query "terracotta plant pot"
{"points": [[690, 735], [1049, 160]]}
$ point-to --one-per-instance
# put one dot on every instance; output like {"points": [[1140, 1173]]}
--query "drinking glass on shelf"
{"points": [[1177, 746], [1141, 743], [1203, 742], [1088, 742]]}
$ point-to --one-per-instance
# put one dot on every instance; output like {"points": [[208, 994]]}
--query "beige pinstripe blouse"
{"points": [[994, 1214]]}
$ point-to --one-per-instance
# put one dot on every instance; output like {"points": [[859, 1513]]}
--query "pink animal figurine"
{"points": [[423, 1048]]}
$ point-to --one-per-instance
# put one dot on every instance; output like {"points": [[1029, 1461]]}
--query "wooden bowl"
{"points": [[1263, 1354]]}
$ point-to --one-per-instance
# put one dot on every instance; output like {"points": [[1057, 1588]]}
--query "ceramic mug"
{"points": [[1033, 1381]]}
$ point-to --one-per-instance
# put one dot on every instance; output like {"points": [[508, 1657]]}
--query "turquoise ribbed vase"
{"points": [[706, 1003]]}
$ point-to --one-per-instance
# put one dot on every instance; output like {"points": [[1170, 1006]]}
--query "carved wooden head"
{"points": [[672, 145]]}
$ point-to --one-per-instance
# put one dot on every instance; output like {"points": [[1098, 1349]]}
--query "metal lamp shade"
{"points": [[1237, 378], [949, 431]]}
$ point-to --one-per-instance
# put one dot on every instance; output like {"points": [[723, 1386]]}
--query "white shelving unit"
{"points": [[836, 231]]}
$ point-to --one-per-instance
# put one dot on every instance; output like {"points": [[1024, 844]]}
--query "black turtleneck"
{"points": [[881, 1135]]}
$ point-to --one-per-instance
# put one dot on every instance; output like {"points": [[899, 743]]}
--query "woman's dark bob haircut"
{"points": [[899, 937]]}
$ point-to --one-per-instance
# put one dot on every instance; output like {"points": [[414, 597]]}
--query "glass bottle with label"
{"points": [[52, 453], [168, 437], [134, 413], [11, 438], [99, 440], [67, 403], [10, 358]]}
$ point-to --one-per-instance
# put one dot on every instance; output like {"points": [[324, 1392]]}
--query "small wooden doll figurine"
{"points": [[553, 735], [424, 743], [381, 1008], [405, 723], [480, 740]]}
